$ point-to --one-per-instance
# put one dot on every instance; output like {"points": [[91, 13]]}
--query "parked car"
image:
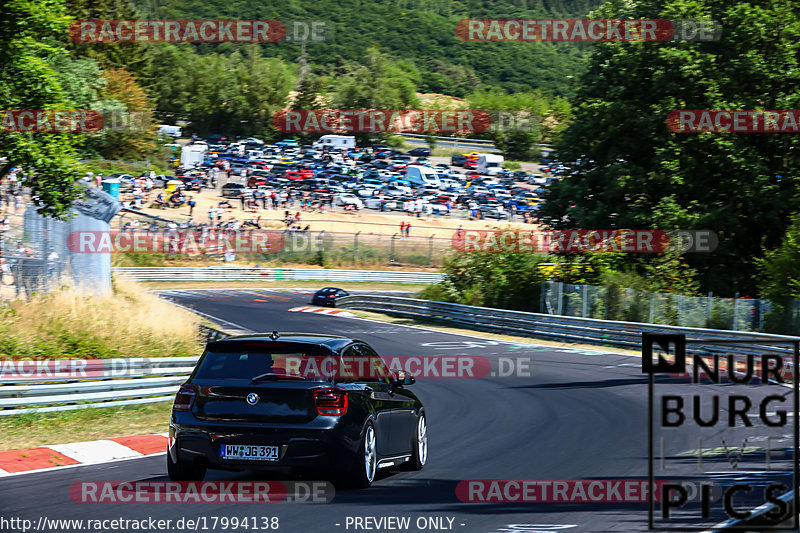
{"points": [[233, 190], [493, 211], [419, 152], [388, 204], [257, 402], [458, 160], [192, 183], [348, 199]]}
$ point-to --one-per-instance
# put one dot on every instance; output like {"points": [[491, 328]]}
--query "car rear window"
{"points": [[306, 362]]}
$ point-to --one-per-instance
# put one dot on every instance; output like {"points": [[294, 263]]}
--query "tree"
{"points": [[430, 138], [379, 83], [30, 33], [635, 173], [130, 133], [780, 280], [521, 120]]}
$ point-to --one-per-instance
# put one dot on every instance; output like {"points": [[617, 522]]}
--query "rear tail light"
{"points": [[185, 398], [331, 402]]}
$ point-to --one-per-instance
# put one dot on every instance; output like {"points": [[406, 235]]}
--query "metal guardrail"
{"points": [[228, 273], [564, 328], [109, 382], [142, 380], [464, 140]]}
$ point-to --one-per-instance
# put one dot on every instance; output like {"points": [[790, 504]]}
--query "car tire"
{"points": [[419, 442], [365, 465], [183, 472]]}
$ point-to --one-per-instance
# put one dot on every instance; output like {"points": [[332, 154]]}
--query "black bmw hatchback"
{"points": [[303, 401]]}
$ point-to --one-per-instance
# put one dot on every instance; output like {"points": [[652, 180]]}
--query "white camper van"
{"points": [[192, 155], [490, 164], [172, 131], [336, 142], [422, 176]]}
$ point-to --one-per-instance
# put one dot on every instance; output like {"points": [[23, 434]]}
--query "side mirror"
{"points": [[400, 379]]}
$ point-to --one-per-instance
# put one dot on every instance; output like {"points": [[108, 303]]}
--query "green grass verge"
{"points": [[41, 429]]}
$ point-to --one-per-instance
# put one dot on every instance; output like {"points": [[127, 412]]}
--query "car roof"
{"points": [[331, 341]]}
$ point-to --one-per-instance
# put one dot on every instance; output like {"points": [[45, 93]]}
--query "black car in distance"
{"points": [[301, 401], [327, 296], [419, 152]]}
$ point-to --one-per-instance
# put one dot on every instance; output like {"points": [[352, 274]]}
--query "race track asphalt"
{"points": [[580, 414]]}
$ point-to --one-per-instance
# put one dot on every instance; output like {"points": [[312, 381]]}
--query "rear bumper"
{"points": [[331, 449]]}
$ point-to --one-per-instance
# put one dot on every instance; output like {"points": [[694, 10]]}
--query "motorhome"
{"points": [[172, 131], [490, 164], [336, 142], [193, 155], [422, 176]]}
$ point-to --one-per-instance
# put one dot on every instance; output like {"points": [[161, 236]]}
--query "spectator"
{"points": [[191, 204], [408, 229], [52, 260], [5, 270], [402, 227]]}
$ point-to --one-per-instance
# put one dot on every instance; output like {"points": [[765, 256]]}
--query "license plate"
{"points": [[253, 453]]}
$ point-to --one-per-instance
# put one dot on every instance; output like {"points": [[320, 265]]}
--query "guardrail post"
{"points": [[542, 297], [560, 293], [585, 301]]}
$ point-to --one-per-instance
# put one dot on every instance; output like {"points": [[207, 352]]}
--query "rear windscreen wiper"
{"points": [[272, 375]]}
